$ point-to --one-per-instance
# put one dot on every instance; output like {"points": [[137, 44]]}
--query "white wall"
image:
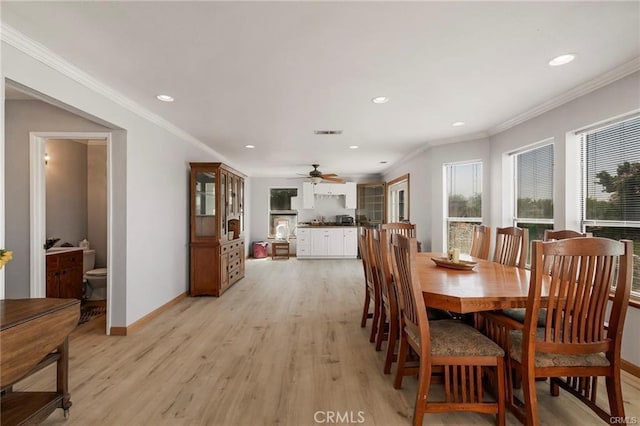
{"points": [[66, 177], [426, 177], [97, 201], [149, 169], [21, 117], [616, 99], [426, 186]]}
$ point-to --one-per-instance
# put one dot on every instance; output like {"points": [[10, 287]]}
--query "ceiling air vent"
{"points": [[327, 132]]}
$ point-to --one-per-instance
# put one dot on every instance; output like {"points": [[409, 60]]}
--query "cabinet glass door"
{"points": [[205, 204], [223, 201], [241, 204]]}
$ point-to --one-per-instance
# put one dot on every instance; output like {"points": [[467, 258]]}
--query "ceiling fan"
{"points": [[316, 176]]}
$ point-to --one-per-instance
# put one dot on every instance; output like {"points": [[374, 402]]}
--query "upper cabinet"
{"points": [[217, 203], [310, 190], [308, 196], [350, 198]]}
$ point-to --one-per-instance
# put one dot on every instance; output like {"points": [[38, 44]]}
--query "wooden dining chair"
{"points": [[480, 241], [511, 248], [372, 288], [549, 235], [407, 229], [388, 325], [461, 351], [575, 346]]}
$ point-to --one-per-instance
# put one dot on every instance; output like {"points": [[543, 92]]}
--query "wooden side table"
{"points": [[280, 249], [33, 334]]}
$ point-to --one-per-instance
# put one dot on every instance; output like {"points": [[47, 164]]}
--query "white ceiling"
{"points": [[269, 74]]}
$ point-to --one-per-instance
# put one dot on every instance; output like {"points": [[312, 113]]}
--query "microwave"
{"points": [[344, 220]]}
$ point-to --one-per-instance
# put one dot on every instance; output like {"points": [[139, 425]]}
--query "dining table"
{"points": [[487, 286]]}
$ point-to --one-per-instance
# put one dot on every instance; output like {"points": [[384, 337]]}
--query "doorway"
{"points": [[40, 160], [398, 199]]}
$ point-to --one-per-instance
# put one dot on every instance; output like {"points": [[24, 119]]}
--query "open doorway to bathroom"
{"points": [[76, 213], [70, 201]]}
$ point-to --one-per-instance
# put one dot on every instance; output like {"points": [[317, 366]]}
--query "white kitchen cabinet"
{"points": [[308, 196], [350, 195], [303, 242], [327, 243], [350, 243], [335, 243], [329, 189]]}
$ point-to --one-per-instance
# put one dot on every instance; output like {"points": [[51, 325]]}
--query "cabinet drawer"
{"points": [[234, 255], [303, 251], [70, 259], [53, 262], [234, 265]]}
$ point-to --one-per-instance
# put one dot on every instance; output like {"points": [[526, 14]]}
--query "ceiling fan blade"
{"points": [[329, 174], [333, 179]]}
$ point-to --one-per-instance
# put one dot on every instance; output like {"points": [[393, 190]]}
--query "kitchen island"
{"points": [[327, 241]]}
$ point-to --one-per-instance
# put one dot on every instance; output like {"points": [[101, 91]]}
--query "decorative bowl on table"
{"points": [[465, 265]]}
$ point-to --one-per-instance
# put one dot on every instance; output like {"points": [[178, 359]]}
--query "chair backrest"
{"points": [[402, 228], [562, 234], [581, 276], [383, 266], [413, 309], [363, 246], [480, 241], [511, 246]]}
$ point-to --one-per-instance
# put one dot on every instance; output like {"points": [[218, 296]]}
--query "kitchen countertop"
{"points": [[57, 250], [324, 225]]}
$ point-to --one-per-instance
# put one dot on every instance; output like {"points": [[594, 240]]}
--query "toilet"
{"points": [[95, 279]]}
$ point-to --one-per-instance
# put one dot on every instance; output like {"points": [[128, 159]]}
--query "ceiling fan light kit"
{"points": [[316, 176]]}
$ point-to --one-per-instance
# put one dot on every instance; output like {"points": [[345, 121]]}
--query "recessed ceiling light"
{"points": [[380, 100], [250, 146], [562, 59], [457, 123], [165, 98], [327, 132], [354, 147]]}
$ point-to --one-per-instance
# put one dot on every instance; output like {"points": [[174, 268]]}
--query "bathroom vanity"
{"points": [[217, 251], [64, 273]]}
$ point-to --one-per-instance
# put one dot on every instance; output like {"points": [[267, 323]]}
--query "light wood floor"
{"points": [[279, 346]]}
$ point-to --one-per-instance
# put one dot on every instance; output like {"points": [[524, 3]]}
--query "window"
{"points": [[533, 173], [611, 185], [463, 206], [283, 217], [398, 195]]}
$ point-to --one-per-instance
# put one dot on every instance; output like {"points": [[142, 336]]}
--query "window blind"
{"points": [[464, 190], [611, 157], [534, 183]]}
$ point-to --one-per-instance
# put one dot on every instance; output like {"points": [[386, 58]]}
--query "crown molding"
{"points": [[44, 55], [568, 96]]}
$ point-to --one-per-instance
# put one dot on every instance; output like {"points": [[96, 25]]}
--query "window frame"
{"points": [[275, 213], [515, 219], [455, 219], [581, 137]]}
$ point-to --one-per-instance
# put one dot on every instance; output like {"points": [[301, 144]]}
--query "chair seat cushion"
{"points": [[519, 314], [545, 359], [454, 338]]}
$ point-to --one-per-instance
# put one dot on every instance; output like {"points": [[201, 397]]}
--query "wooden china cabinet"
{"points": [[217, 228]]}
